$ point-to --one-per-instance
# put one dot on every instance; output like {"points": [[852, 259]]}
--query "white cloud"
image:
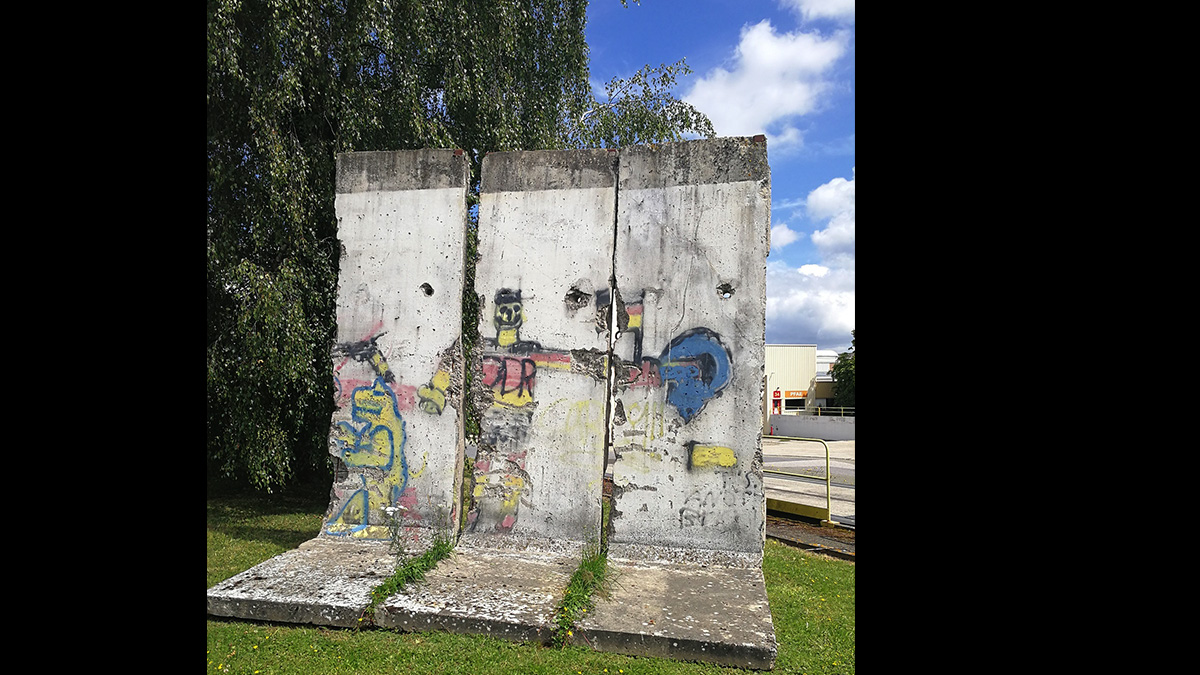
{"points": [[774, 77], [814, 303], [782, 235], [831, 199], [822, 9], [834, 201], [810, 308]]}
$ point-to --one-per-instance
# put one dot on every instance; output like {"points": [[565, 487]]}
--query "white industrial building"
{"points": [[799, 379]]}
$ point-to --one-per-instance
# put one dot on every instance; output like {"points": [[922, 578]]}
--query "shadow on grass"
{"points": [[286, 519], [284, 538]]}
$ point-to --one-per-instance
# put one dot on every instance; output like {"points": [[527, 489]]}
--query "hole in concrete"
{"points": [[427, 288], [577, 299], [725, 291]]}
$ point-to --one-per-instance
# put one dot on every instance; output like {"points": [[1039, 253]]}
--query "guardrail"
{"points": [[805, 510], [834, 412]]}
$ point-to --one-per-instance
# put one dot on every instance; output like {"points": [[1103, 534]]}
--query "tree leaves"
{"points": [[639, 109], [843, 377], [291, 83]]}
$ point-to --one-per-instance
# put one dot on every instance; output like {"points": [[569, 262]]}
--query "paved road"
{"points": [[808, 458]]}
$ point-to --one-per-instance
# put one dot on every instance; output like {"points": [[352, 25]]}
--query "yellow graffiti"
{"points": [[645, 423], [512, 399], [713, 455], [377, 442], [433, 395], [379, 364], [424, 461], [374, 407], [584, 419], [513, 486]]}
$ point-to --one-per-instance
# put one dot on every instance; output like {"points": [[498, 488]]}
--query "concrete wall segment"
{"points": [[548, 170], [545, 262], [690, 274], [398, 366], [720, 160], [392, 171]]}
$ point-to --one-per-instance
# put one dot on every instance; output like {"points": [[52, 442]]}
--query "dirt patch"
{"points": [[801, 528]]}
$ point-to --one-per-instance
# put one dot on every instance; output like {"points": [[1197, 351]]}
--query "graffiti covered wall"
{"points": [[622, 299], [690, 269], [545, 260], [396, 432], [640, 273]]}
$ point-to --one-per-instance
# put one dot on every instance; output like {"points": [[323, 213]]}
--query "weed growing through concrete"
{"points": [[589, 579], [410, 570]]}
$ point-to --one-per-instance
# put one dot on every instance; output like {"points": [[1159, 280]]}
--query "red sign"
{"points": [[776, 393]]}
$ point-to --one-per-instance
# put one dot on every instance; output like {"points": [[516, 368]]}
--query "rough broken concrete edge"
{"points": [[646, 554], [757, 657], [517, 543], [394, 170], [536, 170], [725, 159]]}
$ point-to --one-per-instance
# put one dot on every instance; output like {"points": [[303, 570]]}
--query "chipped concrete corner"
{"points": [[622, 304]]}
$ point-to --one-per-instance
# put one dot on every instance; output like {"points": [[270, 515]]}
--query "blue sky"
{"points": [[783, 68]]}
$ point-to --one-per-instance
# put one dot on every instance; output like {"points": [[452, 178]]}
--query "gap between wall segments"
{"points": [[609, 389]]}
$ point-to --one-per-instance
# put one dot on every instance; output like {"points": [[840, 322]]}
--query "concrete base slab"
{"points": [[327, 581], [510, 594], [712, 613], [670, 604]]}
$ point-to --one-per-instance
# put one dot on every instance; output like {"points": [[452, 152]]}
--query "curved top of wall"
{"points": [[392, 171], [528, 170], [718, 160]]}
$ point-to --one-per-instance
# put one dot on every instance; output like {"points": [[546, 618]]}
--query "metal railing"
{"points": [[834, 412], [824, 515], [826, 411]]}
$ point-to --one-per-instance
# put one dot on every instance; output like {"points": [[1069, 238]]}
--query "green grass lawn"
{"points": [[811, 596]]}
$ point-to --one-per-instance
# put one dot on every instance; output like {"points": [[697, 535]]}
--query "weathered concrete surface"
{"points": [[510, 594], [689, 251], [327, 581], [684, 610], [692, 227], [398, 363], [545, 260]]}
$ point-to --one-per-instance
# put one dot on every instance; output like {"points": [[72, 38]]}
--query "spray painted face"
{"points": [[508, 314]]}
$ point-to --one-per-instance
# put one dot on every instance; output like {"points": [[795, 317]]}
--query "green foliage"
{"points": [[812, 608], [843, 377], [411, 570], [246, 529], [265, 392], [290, 85], [640, 109], [586, 582]]}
